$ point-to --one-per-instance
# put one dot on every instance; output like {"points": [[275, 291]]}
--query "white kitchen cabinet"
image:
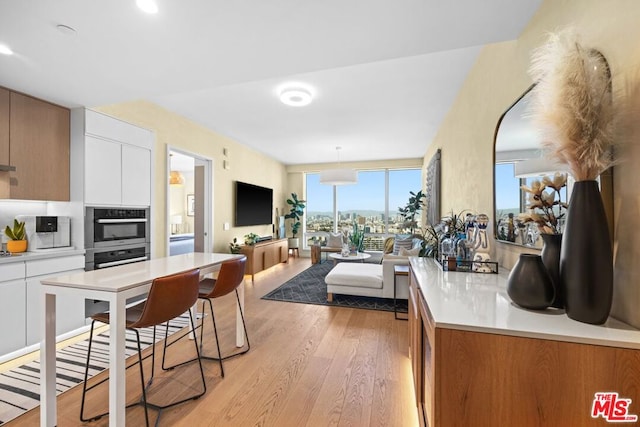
{"points": [[117, 158], [103, 172], [69, 309], [136, 176], [12, 315]]}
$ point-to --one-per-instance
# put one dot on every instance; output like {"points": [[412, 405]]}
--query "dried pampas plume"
{"points": [[572, 104]]}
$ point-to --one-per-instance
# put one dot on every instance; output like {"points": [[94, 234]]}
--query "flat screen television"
{"points": [[254, 204]]}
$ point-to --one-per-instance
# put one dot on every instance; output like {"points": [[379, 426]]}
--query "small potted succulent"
{"points": [[17, 242]]}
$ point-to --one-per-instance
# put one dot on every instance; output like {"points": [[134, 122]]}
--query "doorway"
{"points": [[189, 203]]}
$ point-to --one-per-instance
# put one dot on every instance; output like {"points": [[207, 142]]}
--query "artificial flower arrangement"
{"points": [[545, 207]]}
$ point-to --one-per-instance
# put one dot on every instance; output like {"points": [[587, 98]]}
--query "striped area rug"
{"points": [[20, 387]]}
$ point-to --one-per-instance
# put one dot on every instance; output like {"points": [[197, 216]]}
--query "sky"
{"points": [[367, 194]]}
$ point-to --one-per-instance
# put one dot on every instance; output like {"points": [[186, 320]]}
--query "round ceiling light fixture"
{"points": [[5, 50], [148, 6], [296, 96]]}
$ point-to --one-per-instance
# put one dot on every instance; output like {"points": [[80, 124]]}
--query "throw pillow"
{"points": [[388, 245], [335, 240], [402, 243], [409, 252]]}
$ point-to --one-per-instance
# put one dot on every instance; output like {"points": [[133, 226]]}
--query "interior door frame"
{"points": [[207, 196]]}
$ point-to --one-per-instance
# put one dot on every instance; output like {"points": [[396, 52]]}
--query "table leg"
{"points": [[117, 334], [239, 327], [48, 413]]}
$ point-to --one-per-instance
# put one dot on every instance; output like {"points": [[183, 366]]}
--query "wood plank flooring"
{"points": [[308, 366]]}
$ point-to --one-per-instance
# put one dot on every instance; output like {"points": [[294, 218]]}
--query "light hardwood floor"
{"points": [[309, 365]]}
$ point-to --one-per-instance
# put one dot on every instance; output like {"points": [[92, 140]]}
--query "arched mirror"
{"points": [[519, 160]]}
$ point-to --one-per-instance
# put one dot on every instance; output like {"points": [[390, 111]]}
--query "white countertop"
{"points": [[122, 277], [41, 254], [479, 302]]}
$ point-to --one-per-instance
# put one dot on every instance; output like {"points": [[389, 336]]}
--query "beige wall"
{"points": [[500, 76], [245, 165]]}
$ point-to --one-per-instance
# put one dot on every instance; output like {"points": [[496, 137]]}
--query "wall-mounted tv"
{"points": [[254, 204]]}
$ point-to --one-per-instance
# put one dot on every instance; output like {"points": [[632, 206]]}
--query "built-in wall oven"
{"points": [[116, 236]]}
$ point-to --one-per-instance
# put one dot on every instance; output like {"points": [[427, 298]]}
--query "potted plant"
{"points": [[251, 239], [234, 247], [296, 212], [18, 242], [411, 209]]}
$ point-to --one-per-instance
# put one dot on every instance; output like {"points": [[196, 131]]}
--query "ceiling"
{"points": [[384, 74]]}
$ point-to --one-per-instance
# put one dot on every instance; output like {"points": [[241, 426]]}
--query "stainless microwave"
{"points": [[113, 227]]}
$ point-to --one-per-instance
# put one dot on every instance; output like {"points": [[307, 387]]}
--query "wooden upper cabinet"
{"points": [[4, 126], [39, 149]]}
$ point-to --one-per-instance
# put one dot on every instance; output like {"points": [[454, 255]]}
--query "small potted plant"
{"points": [[296, 212], [17, 242], [251, 239], [234, 247]]}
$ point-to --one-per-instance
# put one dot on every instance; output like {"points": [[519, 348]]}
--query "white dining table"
{"points": [[114, 285]]}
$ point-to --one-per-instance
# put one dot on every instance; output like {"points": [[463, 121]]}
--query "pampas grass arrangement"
{"points": [[572, 104]]}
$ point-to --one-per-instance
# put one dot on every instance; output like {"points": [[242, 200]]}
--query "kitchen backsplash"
{"points": [[9, 209]]}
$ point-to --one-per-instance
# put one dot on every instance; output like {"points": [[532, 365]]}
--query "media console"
{"points": [[265, 254]]}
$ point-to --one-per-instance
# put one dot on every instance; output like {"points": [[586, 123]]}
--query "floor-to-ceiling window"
{"points": [[371, 204]]}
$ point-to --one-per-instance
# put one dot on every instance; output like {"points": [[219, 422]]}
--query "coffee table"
{"points": [[360, 256]]}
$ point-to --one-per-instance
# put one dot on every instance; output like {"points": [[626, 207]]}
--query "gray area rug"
{"points": [[20, 386], [309, 287]]}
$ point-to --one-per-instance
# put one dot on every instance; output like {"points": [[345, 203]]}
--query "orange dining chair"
{"points": [[229, 278], [168, 298]]}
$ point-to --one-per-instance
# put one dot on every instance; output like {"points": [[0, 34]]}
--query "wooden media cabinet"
{"points": [[265, 254]]}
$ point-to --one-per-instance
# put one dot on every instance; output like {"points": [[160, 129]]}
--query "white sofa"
{"points": [[365, 279]]}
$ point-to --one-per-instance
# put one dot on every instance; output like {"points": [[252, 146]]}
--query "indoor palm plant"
{"points": [[17, 242], [296, 212]]}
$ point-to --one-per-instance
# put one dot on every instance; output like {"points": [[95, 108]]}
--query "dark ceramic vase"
{"points": [[586, 257], [529, 284], [550, 254]]}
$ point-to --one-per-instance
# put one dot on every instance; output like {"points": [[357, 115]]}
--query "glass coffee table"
{"points": [[360, 256]]}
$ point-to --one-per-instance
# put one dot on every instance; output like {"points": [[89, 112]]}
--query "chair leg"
{"points": [[142, 383], [215, 331], [86, 374]]}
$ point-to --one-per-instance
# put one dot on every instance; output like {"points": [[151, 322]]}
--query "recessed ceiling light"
{"points": [[66, 30], [296, 97], [148, 6], [5, 50]]}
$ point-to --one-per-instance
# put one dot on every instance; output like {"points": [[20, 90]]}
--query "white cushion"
{"points": [[355, 274], [335, 240], [409, 252]]}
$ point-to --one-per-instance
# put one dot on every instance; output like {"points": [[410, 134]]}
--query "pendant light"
{"points": [[176, 178], [338, 176]]}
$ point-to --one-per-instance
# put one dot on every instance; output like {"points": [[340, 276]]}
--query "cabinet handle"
{"points": [[7, 168], [120, 221], [124, 261]]}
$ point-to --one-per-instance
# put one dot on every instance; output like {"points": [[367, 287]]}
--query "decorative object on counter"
{"points": [[481, 247], [250, 239], [234, 247], [17, 242], [529, 284], [573, 106], [552, 244], [295, 214], [546, 212]]}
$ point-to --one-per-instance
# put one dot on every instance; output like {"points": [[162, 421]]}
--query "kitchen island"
{"points": [[478, 359], [114, 285]]}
